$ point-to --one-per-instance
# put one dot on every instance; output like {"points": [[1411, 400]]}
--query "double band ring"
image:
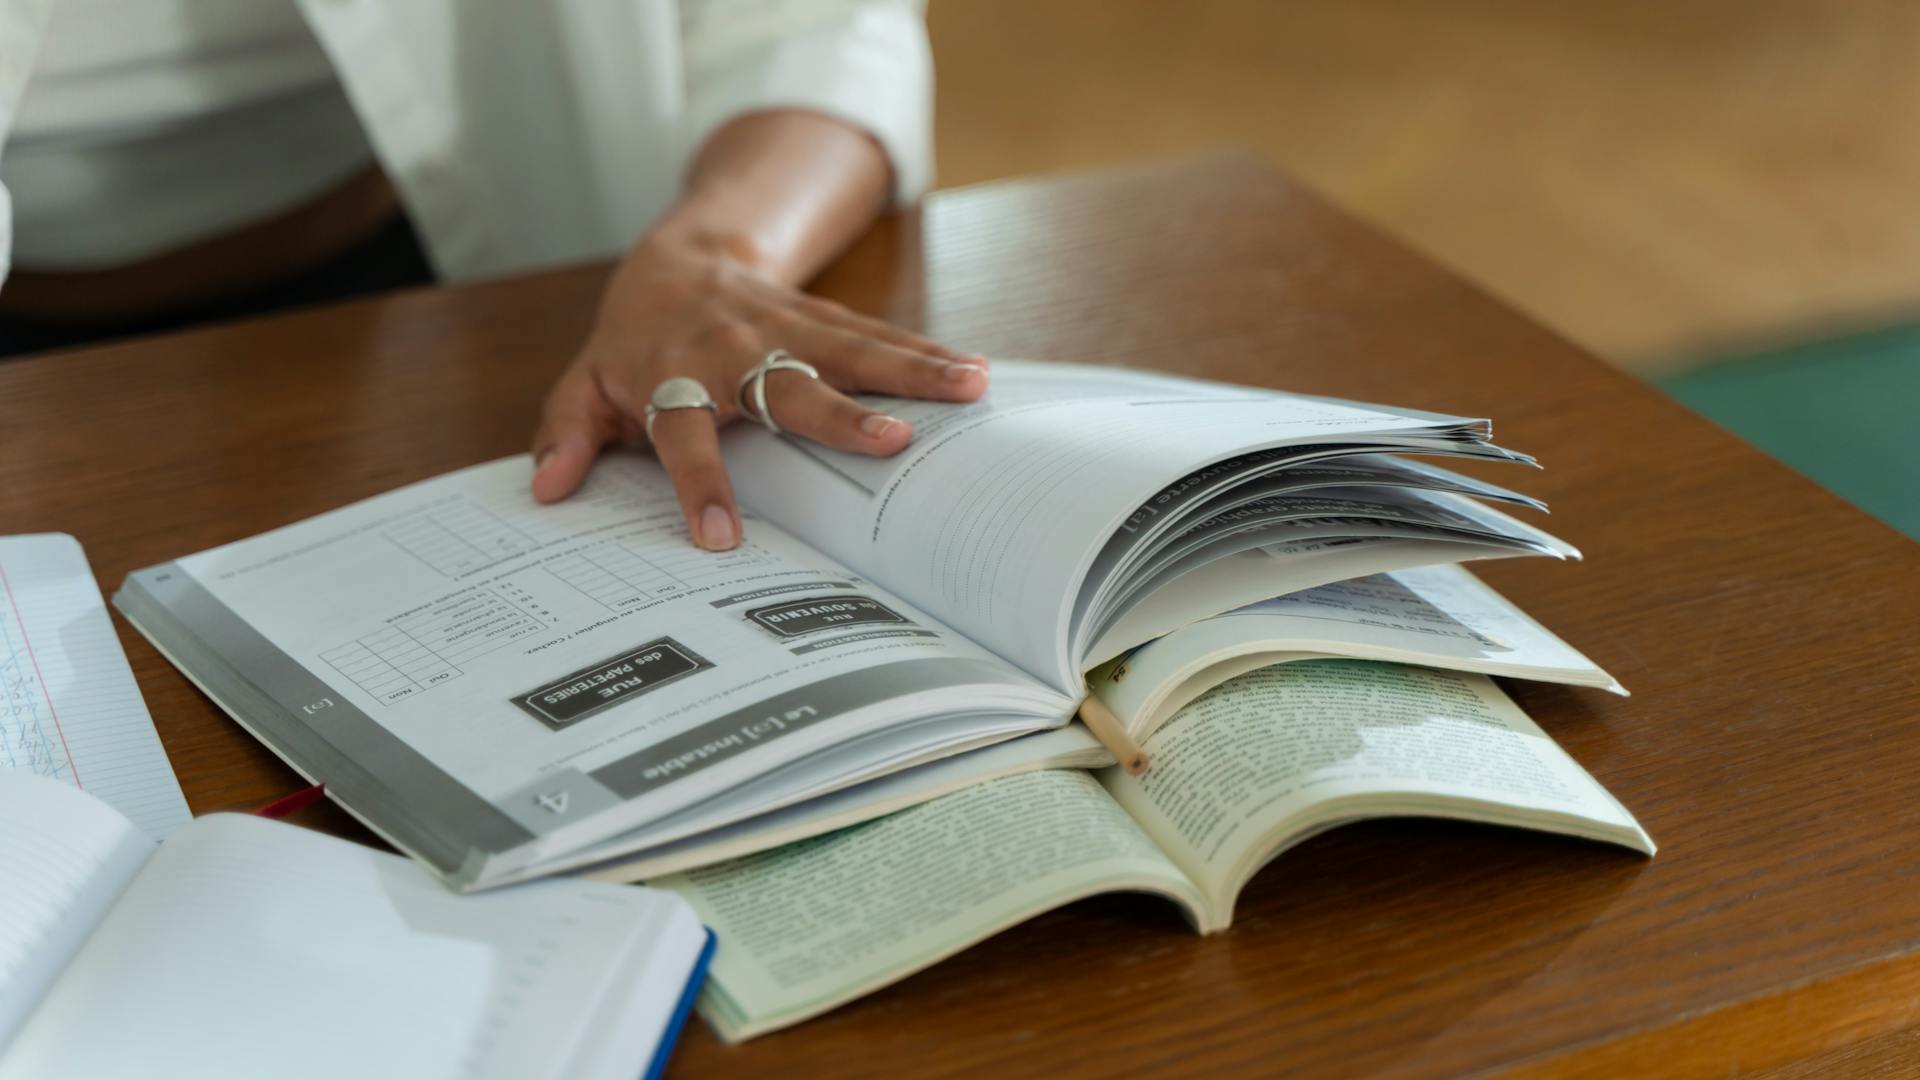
{"points": [[753, 386], [679, 392]]}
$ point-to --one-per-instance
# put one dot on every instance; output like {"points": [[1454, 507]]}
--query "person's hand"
{"points": [[699, 308]]}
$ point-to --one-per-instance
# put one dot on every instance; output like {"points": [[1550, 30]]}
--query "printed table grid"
{"points": [[458, 538], [617, 576], [428, 647]]}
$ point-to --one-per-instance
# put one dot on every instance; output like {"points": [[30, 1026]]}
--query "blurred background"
{"points": [[1721, 195]]}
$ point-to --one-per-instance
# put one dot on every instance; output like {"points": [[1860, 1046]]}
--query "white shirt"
{"points": [[148, 125], [523, 134]]}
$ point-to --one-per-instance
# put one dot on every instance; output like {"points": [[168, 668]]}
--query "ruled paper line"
{"points": [[27, 640]]}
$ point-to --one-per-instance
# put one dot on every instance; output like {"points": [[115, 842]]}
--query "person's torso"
{"points": [[516, 134], [152, 125]]}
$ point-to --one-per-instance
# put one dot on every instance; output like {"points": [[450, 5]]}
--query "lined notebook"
{"points": [[241, 947], [69, 708]]}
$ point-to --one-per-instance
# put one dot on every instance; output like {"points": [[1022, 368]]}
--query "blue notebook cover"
{"points": [[695, 979]]}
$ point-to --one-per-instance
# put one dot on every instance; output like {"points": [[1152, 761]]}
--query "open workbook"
{"points": [[242, 947], [505, 690], [1434, 616], [1241, 773]]}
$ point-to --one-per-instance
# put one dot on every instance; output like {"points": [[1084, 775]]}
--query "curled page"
{"points": [[994, 516]]}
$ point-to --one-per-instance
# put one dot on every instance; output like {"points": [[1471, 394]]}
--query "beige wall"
{"points": [[1654, 179]]}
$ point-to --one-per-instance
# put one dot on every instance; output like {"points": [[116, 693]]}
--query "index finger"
{"points": [[575, 423]]}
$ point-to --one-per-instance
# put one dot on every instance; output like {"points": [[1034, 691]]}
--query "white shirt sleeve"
{"points": [[866, 62], [22, 22]]}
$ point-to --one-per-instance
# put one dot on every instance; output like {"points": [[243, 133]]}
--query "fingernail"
{"points": [[875, 425], [961, 372], [716, 529]]}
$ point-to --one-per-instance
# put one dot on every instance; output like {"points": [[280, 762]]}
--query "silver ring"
{"points": [[679, 392], [756, 379]]}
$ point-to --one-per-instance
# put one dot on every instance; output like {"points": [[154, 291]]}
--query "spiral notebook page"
{"points": [[69, 708]]}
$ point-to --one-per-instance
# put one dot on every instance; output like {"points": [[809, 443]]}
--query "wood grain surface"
{"points": [[1660, 181], [1766, 629]]}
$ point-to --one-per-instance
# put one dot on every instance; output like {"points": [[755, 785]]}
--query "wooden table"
{"points": [[1772, 745]]}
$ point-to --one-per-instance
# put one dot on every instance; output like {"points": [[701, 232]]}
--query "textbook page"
{"points": [[1070, 747], [65, 856], [535, 679], [250, 948], [815, 924], [1437, 615], [1441, 517], [1440, 611], [1280, 569], [1012, 497], [69, 707], [1196, 502], [1280, 752]]}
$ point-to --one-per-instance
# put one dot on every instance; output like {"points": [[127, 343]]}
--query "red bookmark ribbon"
{"points": [[293, 803]]}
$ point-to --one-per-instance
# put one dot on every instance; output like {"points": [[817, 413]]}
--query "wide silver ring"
{"points": [[753, 386], [679, 392]]}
